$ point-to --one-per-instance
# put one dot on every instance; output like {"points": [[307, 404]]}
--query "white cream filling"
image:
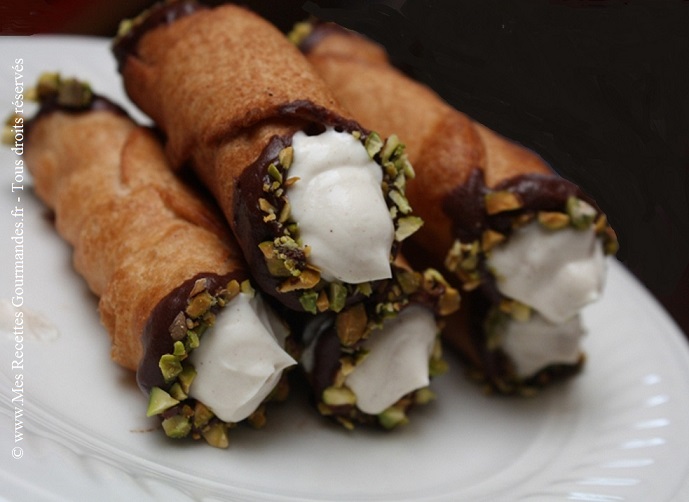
{"points": [[534, 344], [556, 272], [397, 362], [339, 206], [240, 359]]}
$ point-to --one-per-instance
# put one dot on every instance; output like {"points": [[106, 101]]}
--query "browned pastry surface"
{"points": [[137, 231]]}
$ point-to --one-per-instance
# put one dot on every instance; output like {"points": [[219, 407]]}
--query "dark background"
{"points": [[600, 89]]}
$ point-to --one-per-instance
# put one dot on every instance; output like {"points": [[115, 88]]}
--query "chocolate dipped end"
{"points": [[130, 32], [337, 344], [159, 335], [259, 225], [474, 225]]}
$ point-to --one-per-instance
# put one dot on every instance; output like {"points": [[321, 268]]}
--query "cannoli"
{"points": [[174, 292], [528, 244], [374, 361], [316, 202]]}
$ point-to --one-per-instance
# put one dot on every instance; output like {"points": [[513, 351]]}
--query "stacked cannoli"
{"points": [[528, 245], [316, 201], [174, 292]]}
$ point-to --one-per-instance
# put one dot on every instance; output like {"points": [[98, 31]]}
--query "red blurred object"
{"points": [[38, 16]]}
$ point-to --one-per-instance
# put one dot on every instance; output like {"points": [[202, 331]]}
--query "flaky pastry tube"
{"points": [[237, 101], [164, 266], [481, 197]]}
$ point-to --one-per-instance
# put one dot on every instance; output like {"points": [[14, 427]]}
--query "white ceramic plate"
{"points": [[619, 431]]}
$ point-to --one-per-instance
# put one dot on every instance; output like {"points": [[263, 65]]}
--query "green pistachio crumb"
{"points": [[159, 401], [177, 393], [407, 226], [170, 366], [275, 173], [178, 349], [391, 144], [186, 377], [286, 157], [351, 324], [177, 426], [400, 201], [308, 301], [424, 396], [337, 296], [202, 415], [437, 367], [553, 220], [392, 417], [216, 435], [373, 144], [338, 396], [199, 304], [581, 213], [498, 202]]}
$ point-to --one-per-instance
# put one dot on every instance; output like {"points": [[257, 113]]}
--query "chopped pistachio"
{"points": [[490, 239], [391, 144], [170, 366], [392, 417], [299, 32], [338, 396], [216, 435], [48, 85], [351, 324], [517, 310], [186, 377], [449, 302], [322, 302], [232, 289], [274, 173], [178, 349], [600, 224], [199, 286], [611, 244], [404, 166], [500, 201], [408, 280], [159, 401], [581, 213], [407, 226], [73, 93], [423, 396], [285, 212], [202, 415], [309, 301], [437, 367], [193, 340], [307, 279], [337, 296], [199, 304], [176, 392], [553, 220], [364, 288], [400, 201], [373, 144], [246, 288], [177, 426], [286, 156], [290, 181], [265, 206], [276, 266]]}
